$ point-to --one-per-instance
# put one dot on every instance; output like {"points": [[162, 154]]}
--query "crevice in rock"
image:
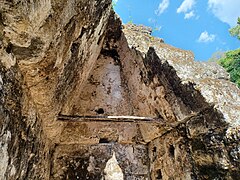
{"points": [[171, 151]]}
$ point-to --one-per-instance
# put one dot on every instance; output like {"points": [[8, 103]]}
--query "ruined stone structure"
{"points": [[83, 97]]}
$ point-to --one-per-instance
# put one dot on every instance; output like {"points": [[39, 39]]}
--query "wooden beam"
{"points": [[123, 119]]}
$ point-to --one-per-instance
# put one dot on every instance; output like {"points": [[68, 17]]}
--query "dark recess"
{"points": [[77, 169], [111, 53], [104, 140], [74, 48], [100, 111], [171, 151], [159, 174], [154, 151], [211, 172], [9, 48]]}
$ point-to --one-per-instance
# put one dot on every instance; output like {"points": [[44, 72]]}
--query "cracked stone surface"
{"points": [[84, 97]]}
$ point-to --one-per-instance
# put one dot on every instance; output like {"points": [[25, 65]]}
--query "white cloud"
{"points": [[189, 15], [162, 7], [186, 6], [205, 37], [225, 10]]}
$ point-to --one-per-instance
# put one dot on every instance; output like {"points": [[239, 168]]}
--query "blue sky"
{"points": [[197, 25]]}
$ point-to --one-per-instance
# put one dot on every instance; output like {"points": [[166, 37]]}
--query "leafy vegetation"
{"points": [[231, 62], [130, 22], [114, 4], [235, 31]]}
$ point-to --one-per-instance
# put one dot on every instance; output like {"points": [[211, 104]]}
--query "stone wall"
{"points": [[140, 38], [208, 135], [207, 77], [45, 47], [80, 98]]}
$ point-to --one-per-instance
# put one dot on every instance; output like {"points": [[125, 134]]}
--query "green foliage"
{"points": [[232, 65], [231, 60], [235, 31], [114, 4], [130, 22], [152, 38]]}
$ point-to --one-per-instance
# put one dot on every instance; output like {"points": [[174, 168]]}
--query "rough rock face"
{"points": [[208, 77], [80, 98]]}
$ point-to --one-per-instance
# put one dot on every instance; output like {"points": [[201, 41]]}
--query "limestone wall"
{"points": [[140, 38], [80, 98]]}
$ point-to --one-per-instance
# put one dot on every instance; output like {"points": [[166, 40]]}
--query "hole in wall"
{"points": [[100, 111], [171, 150], [104, 140], [159, 174], [9, 48], [154, 152], [74, 47]]}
